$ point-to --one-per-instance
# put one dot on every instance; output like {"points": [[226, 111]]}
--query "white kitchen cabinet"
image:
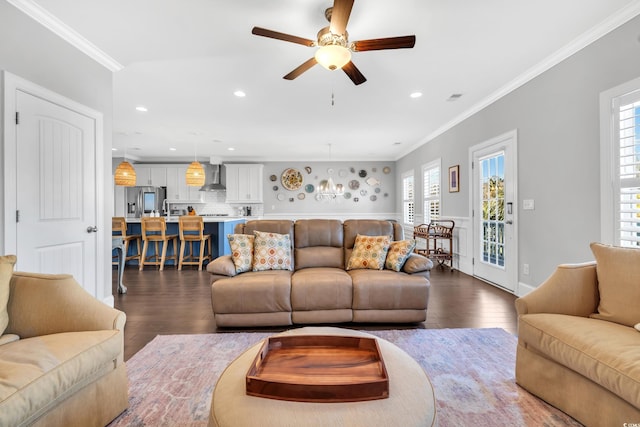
{"points": [[244, 183], [177, 188], [151, 175]]}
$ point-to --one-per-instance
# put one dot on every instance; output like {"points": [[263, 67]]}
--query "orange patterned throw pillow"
{"points": [[271, 251], [398, 253], [241, 251], [369, 252]]}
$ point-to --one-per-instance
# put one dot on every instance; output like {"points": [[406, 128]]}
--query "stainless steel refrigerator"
{"points": [[141, 201]]}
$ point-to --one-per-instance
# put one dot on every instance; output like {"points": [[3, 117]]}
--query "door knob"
{"points": [[93, 229]]}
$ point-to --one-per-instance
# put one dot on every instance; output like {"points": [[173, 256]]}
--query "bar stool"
{"points": [[154, 230], [119, 229], [192, 230]]}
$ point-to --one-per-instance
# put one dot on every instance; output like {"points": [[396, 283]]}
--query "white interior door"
{"points": [[494, 211], [56, 182]]}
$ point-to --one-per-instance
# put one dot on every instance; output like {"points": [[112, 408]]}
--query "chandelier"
{"points": [[327, 189]]}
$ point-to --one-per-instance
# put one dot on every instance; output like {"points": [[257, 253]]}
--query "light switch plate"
{"points": [[528, 205]]}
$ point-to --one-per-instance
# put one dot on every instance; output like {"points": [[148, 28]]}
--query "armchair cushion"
{"points": [[618, 270], [6, 270]]}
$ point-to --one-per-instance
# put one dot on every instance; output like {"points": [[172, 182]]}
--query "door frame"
{"points": [[8, 192], [513, 276]]}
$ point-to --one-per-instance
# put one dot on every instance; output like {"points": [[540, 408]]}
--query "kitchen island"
{"points": [[217, 226]]}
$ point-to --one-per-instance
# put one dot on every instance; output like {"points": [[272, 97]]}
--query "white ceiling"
{"points": [[183, 59]]}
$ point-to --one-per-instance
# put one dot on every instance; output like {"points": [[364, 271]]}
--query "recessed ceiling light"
{"points": [[172, 149], [239, 94], [454, 97], [416, 94], [397, 143], [114, 149], [141, 108], [231, 149]]}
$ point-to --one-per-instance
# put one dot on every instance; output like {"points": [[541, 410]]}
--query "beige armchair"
{"points": [[67, 366]]}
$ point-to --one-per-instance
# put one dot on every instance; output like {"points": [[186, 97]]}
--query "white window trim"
{"points": [[428, 166], [608, 146], [408, 174]]}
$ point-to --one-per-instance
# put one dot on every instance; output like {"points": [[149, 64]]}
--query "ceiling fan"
{"points": [[334, 49]]}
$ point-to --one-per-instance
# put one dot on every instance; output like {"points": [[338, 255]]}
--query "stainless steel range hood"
{"points": [[214, 183]]}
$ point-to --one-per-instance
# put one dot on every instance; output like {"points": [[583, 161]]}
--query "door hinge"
{"points": [[17, 215], [17, 117]]}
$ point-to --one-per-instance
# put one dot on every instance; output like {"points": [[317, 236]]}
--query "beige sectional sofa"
{"points": [[66, 368], [320, 289], [577, 346]]}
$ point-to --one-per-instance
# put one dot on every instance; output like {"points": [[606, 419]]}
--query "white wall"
{"points": [[32, 52], [557, 119]]}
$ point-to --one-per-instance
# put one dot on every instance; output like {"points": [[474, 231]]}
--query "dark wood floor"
{"points": [[172, 302]]}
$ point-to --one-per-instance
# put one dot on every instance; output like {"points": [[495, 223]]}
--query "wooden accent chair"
{"points": [[119, 229], [192, 230], [154, 229]]}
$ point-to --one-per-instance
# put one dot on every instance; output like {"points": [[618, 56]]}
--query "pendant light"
{"points": [[195, 172], [125, 174]]}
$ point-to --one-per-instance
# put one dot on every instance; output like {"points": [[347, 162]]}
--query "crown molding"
{"points": [[46, 19], [614, 21]]}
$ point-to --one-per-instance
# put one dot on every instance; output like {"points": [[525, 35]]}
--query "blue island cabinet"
{"points": [[217, 229]]}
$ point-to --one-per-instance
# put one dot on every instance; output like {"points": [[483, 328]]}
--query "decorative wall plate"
{"points": [[292, 179], [301, 196], [280, 197], [308, 169], [354, 184], [309, 188], [372, 181], [343, 172], [275, 188], [291, 199], [377, 190], [373, 198], [363, 192], [347, 195], [386, 170], [273, 177], [352, 169], [355, 199], [362, 173]]}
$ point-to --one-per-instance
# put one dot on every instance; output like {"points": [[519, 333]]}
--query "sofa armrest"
{"points": [[417, 263], [43, 304], [572, 289], [222, 266]]}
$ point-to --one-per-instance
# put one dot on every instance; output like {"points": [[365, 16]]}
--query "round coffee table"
{"points": [[411, 401]]}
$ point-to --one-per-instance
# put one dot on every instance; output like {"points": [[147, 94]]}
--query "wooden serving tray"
{"points": [[318, 368]]}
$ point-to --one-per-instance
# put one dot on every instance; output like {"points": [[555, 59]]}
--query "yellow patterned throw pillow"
{"points": [[398, 253], [271, 251], [241, 251], [369, 252]]}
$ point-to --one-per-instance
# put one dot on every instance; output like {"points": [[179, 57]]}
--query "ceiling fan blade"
{"points": [[340, 16], [301, 69], [354, 74], [403, 42], [281, 36]]}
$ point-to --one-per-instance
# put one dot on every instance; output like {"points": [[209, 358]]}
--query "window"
{"points": [[620, 118], [431, 190], [408, 198], [628, 170]]}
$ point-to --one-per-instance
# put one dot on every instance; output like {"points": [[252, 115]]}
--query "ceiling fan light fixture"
{"points": [[333, 57]]}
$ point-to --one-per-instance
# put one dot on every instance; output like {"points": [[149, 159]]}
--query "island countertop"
{"points": [[174, 219]]}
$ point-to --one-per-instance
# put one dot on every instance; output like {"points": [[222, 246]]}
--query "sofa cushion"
{"points": [[416, 263], [253, 292], [38, 373], [319, 243], [388, 290], [321, 289], [605, 352], [271, 251], [241, 246], [398, 253], [6, 270], [618, 270], [369, 252], [368, 227]]}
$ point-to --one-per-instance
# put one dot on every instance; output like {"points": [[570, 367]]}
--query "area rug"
{"points": [[172, 378]]}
